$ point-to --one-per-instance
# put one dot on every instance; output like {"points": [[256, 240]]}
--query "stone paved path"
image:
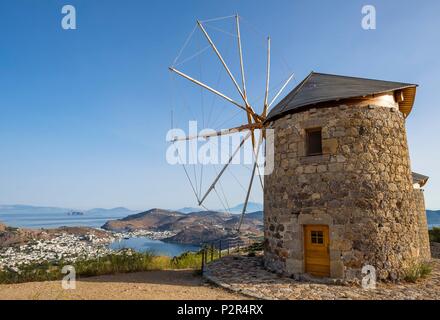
{"points": [[246, 275]]}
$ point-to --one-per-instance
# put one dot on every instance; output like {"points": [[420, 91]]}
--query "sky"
{"points": [[84, 113]]}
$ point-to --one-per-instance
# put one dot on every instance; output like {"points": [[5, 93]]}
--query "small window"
{"points": [[314, 142], [317, 237]]}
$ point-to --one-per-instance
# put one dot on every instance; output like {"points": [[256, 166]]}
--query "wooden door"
{"points": [[316, 250]]}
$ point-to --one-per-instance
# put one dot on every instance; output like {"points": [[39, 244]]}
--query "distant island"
{"points": [[75, 213], [18, 209]]}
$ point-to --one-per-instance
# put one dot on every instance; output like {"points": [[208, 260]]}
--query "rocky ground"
{"points": [[435, 249], [153, 285], [246, 275]]}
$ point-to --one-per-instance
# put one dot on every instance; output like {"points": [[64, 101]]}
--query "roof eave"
{"points": [[405, 107]]}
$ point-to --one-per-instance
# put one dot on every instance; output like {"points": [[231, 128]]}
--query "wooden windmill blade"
{"points": [[223, 132], [281, 90], [224, 169], [199, 83], [260, 142]]}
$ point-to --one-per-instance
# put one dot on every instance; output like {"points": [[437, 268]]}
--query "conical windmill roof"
{"points": [[317, 88]]}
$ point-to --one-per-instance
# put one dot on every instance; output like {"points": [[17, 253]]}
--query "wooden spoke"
{"points": [[281, 90], [240, 52], [217, 52], [266, 95], [207, 88], [263, 132], [221, 132], [243, 78], [224, 169], [221, 59], [199, 83], [250, 185]]}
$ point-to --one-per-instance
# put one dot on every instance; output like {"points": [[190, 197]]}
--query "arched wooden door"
{"points": [[316, 250]]}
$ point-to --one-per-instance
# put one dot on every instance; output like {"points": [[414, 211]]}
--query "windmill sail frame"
{"points": [[255, 121]]}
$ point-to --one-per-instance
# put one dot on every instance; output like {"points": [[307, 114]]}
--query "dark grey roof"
{"points": [[419, 178], [319, 87]]}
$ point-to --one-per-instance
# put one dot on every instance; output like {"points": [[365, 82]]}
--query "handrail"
{"points": [[222, 247]]}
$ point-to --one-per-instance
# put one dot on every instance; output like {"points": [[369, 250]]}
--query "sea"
{"points": [[158, 247], [54, 220]]}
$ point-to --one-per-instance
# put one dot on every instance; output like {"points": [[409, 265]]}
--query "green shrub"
{"points": [[257, 246], [418, 271], [187, 260], [434, 234]]}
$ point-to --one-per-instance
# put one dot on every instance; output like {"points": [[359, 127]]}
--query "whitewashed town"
{"points": [[69, 248]]}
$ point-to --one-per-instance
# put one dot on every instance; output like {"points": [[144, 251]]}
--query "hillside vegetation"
{"points": [[434, 234]]}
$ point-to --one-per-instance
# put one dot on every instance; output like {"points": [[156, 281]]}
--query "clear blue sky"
{"points": [[84, 112]]}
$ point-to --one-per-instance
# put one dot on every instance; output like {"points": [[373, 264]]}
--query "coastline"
{"points": [[23, 247]]}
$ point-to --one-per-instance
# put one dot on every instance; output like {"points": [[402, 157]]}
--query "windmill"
{"points": [[255, 120]]}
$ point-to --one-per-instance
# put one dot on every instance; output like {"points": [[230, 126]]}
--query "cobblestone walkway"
{"points": [[247, 276]]}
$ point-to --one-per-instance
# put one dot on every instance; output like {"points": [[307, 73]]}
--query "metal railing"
{"points": [[214, 250]]}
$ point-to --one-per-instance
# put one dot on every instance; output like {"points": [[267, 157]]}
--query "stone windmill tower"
{"points": [[342, 194]]}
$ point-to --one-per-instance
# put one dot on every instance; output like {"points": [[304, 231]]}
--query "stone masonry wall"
{"points": [[425, 250], [361, 187]]}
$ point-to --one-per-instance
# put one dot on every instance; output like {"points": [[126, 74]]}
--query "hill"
{"points": [[119, 211], [251, 207], [191, 228], [149, 220]]}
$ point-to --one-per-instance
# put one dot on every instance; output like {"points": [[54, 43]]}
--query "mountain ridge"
{"points": [[238, 209], [30, 209]]}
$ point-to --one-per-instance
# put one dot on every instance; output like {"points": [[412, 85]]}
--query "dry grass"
{"points": [[121, 262], [418, 271]]}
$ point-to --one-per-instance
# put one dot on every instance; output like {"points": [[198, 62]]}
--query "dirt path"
{"points": [[154, 285]]}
